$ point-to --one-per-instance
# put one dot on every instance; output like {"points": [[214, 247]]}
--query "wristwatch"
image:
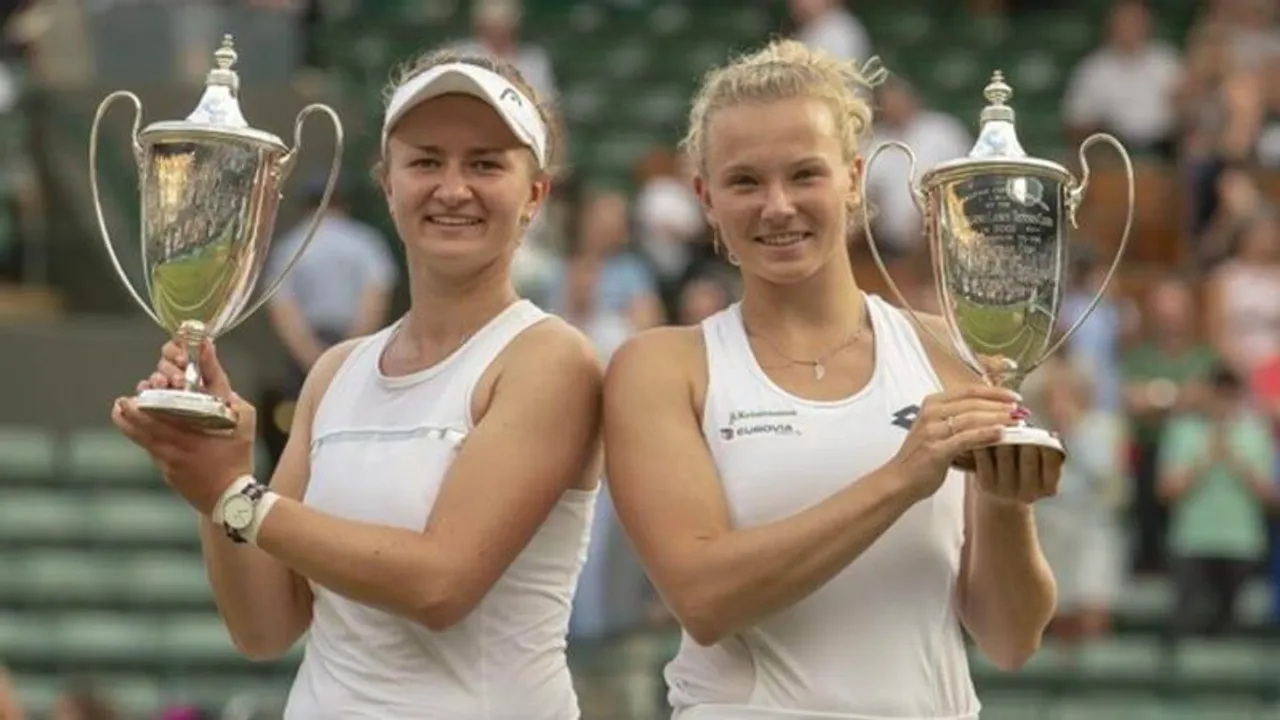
{"points": [[240, 510]]}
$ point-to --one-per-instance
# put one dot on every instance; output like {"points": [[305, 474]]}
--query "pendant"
{"points": [[819, 371]]}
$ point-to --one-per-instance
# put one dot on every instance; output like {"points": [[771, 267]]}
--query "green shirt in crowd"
{"points": [[1218, 516]]}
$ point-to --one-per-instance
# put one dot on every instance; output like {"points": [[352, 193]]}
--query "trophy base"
{"points": [[1013, 436], [197, 408]]}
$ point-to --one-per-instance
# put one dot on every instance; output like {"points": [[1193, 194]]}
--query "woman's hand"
{"points": [[1018, 474], [198, 463], [950, 424]]}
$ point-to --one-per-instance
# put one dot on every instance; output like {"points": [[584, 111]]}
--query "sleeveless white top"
{"points": [[882, 638], [380, 449]]}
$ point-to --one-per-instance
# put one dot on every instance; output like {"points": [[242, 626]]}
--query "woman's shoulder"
{"points": [[662, 354], [553, 343]]}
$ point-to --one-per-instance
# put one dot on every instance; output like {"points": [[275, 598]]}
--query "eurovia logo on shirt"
{"points": [[750, 423]]}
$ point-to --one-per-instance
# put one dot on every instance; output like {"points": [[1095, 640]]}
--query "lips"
{"points": [[454, 221], [783, 239]]}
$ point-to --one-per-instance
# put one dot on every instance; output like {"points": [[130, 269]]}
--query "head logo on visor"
{"points": [[515, 109]]}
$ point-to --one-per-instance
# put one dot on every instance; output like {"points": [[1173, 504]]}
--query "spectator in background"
{"points": [[495, 25], [1079, 528], [603, 286], [1096, 345], [1243, 296], [83, 703], [1237, 200], [828, 25], [668, 220], [340, 288], [934, 137], [1249, 28], [1215, 474], [1126, 87], [1164, 376], [704, 295]]}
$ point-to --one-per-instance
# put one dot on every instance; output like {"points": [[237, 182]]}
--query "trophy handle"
{"points": [[285, 166], [97, 198], [1075, 197], [922, 206]]}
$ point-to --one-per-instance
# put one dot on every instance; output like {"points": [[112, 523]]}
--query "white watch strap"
{"points": [[260, 511], [234, 489]]}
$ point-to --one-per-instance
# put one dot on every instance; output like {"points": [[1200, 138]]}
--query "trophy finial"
{"points": [[225, 58], [997, 136], [997, 94], [225, 55], [998, 91]]}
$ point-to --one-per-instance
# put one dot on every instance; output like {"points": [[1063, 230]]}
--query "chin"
{"points": [[456, 253]]}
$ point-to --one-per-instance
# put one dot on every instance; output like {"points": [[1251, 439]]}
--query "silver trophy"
{"points": [[210, 188], [997, 227]]}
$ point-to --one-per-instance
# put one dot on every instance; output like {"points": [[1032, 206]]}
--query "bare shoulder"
{"points": [[551, 355], [660, 354], [552, 346]]}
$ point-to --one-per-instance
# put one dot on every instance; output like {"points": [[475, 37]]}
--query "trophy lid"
{"points": [[998, 136], [218, 114], [997, 143]]}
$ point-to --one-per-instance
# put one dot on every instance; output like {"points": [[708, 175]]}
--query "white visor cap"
{"points": [[513, 106]]}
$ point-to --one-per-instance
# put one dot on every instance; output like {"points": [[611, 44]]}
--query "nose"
{"points": [[777, 204], [453, 189]]}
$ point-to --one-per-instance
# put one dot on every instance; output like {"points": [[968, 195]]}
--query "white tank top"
{"points": [[379, 452], [882, 638]]}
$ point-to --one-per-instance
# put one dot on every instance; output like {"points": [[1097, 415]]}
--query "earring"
{"points": [[719, 246]]}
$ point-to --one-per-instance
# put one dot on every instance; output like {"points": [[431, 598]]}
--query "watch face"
{"points": [[237, 514]]}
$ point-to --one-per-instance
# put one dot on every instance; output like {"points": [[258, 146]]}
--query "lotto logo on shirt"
{"points": [[750, 423]]}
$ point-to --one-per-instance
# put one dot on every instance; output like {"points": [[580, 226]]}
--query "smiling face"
{"points": [[459, 184], [777, 187]]}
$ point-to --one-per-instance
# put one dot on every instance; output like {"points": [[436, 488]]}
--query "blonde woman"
{"points": [[783, 468]]}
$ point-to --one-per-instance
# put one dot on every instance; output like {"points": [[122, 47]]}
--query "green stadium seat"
{"points": [[1121, 655], [195, 638], [669, 19], [103, 637], [35, 515], [25, 635], [1229, 658], [105, 455], [27, 453], [584, 103], [171, 577], [60, 575], [142, 516]]}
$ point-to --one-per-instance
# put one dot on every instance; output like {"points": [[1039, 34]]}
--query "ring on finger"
{"points": [[951, 426]]}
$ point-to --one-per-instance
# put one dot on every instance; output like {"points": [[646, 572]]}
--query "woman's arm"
{"points": [[718, 579], [1005, 590], [537, 437]]}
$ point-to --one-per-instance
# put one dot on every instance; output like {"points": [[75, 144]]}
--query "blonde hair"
{"points": [[781, 70], [424, 62]]}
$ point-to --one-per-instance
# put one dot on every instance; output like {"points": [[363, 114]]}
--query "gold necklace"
{"points": [[819, 364]]}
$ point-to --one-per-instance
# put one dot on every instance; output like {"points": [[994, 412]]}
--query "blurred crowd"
{"points": [[1168, 397]]}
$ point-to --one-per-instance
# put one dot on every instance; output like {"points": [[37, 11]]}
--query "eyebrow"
{"points": [[806, 160], [437, 150]]}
